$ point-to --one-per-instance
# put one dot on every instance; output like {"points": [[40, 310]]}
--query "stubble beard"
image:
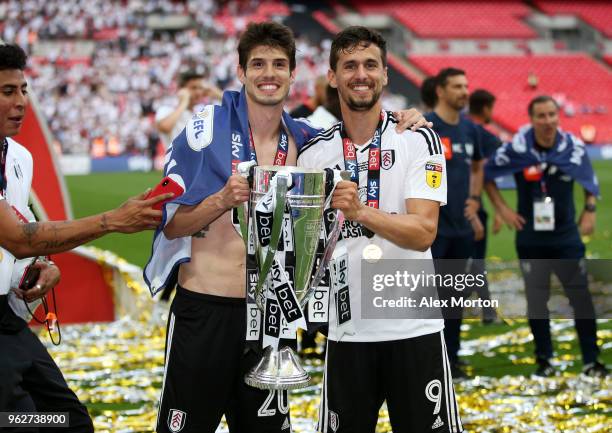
{"points": [[361, 105]]}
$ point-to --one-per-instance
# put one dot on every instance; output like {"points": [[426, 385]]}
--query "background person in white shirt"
{"points": [[170, 119]]}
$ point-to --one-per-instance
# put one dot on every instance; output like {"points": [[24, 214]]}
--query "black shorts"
{"points": [[205, 367], [412, 375]]}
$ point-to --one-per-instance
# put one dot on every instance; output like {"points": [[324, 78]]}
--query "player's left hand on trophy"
{"points": [[346, 199], [412, 119], [49, 277]]}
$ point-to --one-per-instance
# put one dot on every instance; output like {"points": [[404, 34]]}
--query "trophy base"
{"points": [[278, 369]]}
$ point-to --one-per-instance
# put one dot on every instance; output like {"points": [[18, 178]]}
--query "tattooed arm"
{"points": [[42, 238]]}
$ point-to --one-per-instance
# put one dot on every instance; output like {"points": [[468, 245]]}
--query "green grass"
{"points": [[497, 363], [99, 192]]}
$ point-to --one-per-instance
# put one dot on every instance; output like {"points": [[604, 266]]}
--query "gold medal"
{"points": [[372, 253], [1, 255]]}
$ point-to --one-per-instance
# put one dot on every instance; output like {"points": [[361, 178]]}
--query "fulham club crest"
{"points": [[387, 158], [334, 421], [176, 420]]}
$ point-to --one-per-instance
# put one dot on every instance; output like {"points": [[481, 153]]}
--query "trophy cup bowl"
{"points": [[305, 201]]}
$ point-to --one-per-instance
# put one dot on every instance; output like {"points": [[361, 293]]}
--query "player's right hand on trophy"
{"points": [[136, 214], [346, 199], [235, 192]]}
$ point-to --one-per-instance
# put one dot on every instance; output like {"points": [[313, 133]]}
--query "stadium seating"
{"points": [[597, 14], [265, 10], [580, 83], [448, 19]]}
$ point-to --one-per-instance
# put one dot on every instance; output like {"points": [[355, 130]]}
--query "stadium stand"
{"points": [[100, 71], [580, 84], [101, 68], [597, 14], [448, 19]]}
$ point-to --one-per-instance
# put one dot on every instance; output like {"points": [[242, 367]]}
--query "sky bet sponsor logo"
{"points": [[374, 159], [236, 149], [281, 156]]}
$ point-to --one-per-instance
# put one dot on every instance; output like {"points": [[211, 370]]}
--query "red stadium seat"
{"points": [[585, 84], [448, 19], [597, 14]]}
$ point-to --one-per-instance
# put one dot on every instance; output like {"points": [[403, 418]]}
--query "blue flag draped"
{"points": [[568, 154], [200, 159]]}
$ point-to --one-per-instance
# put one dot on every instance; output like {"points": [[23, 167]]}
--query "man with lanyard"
{"points": [[29, 379], [392, 202], [545, 161], [459, 225], [206, 354]]}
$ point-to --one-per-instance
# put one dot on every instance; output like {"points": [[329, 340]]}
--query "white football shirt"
{"points": [[406, 173]]}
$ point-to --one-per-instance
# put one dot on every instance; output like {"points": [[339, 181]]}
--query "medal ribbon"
{"points": [[350, 163]]}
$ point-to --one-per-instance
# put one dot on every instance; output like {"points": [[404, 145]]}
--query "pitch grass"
{"points": [[99, 192]]}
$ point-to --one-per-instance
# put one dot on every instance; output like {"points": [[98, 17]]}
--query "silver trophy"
{"points": [[286, 213]]}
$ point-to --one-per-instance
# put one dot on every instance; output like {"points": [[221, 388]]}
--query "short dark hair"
{"points": [[540, 100], [446, 73], [269, 34], [12, 57], [480, 99], [187, 76], [428, 92], [351, 37]]}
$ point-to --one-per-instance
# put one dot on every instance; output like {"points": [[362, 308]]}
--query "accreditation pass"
{"points": [[34, 419]]}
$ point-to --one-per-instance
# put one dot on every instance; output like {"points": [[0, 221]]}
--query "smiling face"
{"points": [[13, 100], [360, 77], [267, 77]]}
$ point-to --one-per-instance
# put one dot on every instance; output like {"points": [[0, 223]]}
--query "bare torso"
{"points": [[218, 259]]}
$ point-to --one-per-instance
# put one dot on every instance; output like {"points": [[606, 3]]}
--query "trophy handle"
{"points": [[283, 181], [330, 245], [243, 169]]}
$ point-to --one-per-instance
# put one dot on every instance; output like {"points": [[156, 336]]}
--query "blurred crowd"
{"points": [[100, 72]]}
